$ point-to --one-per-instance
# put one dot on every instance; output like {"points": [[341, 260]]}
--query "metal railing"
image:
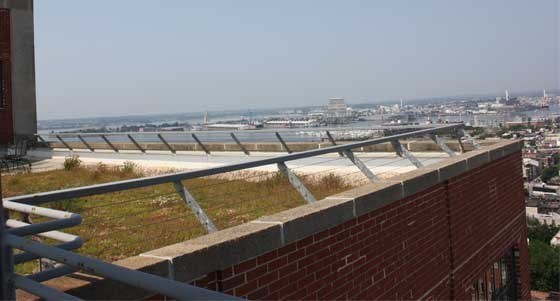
{"points": [[111, 140], [68, 262]]}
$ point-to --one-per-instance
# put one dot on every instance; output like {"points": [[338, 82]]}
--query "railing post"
{"points": [[462, 133], [136, 144], [7, 290], [241, 146], [200, 144], [295, 181], [40, 138], [404, 153], [116, 150], [166, 144], [195, 207], [63, 142], [85, 143], [283, 143], [442, 145], [350, 155]]}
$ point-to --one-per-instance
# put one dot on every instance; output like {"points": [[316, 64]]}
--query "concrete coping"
{"points": [[192, 259]]}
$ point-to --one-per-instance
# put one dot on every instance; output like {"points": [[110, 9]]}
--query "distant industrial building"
{"points": [[18, 113], [338, 112]]}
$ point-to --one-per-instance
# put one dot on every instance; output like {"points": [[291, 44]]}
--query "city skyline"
{"points": [[187, 57]]}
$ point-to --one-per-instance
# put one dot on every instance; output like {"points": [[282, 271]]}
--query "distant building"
{"points": [[292, 123], [542, 189], [531, 169], [338, 112], [18, 113], [555, 241]]}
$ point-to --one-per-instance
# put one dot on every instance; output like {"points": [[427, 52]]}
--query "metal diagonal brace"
{"points": [[442, 145], [40, 138], [350, 155], [462, 133], [63, 142], [110, 144], [295, 181], [361, 166], [195, 208], [136, 144], [85, 143], [200, 144], [241, 146], [165, 143], [283, 143], [403, 152]]}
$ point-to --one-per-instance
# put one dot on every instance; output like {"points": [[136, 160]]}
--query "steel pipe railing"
{"points": [[153, 283], [71, 193]]}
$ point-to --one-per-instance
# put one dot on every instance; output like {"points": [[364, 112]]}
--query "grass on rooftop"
{"points": [[122, 224]]}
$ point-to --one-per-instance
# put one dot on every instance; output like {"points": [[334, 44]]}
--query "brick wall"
{"points": [[431, 245], [6, 118]]}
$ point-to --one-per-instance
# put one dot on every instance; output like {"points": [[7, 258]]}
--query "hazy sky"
{"points": [[119, 57]]}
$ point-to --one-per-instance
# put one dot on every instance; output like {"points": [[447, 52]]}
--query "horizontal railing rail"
{"points": [[266, 130], [71, 193]]}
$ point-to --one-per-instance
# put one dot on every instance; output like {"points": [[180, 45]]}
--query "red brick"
{"points": [[233, 282], [245, 266]]}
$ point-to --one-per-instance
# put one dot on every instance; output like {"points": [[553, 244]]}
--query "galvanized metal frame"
{"points": [[200, 144], [442, 144], [267, 131], [116, 150], [7, 288], [71, 193], [284, 145], [355, 160], [171, 149], [63, 142], [241, 146], [41, 139], [149, 282], [69, 241], [138, 146], [84, 142], [296, 183], [404, 153], [462, 133], [195, 207], [40, 290]]}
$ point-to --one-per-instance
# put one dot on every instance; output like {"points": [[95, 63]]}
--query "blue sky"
{"points": [[120, 57]]}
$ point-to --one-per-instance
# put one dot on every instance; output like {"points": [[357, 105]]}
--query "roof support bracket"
{"points": [[442, 144], [195, 207], [200, 144], [355, 160], [136, 144], [404, 153], [63, 142], [241, 146], [85, 143], [110, 144], [462, 133], [166, 144], [283, 143], [296, 183]]}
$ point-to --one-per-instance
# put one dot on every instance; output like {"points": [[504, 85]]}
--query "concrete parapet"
{"points": [[219, 250]]}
